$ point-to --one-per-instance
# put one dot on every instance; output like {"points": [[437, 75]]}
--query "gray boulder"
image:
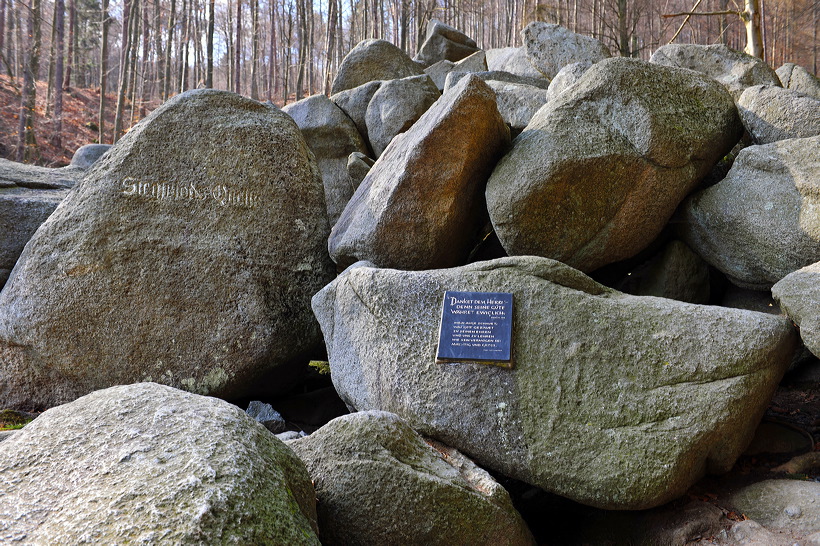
{"points": [[772, 113], [600, 169], [21, 175], [512, 60], [187, 256], [798, 294], [443, 42], [148, 464], [758, 224], [353, 102], [736, 70], [616, 401], [795, 77], [781, 504], [420, 205], [438, 72], [567, 76], [379, 482], [396, 106], [675, 272], [517, 103], [269, 417], [332, 137], [373, 60], [551, 47], [497, 76], [358, 165], [87, 155]]}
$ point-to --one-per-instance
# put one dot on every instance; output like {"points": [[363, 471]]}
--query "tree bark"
{"points": [[209, 71], [122, 81], [254, 49], [166, 80], [237, 77], [754, 37], [50, 77], [2, 28], [57, 136], [103, 71], [72, 28], [27, 142]]}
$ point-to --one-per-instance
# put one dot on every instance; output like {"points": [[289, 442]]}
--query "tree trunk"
{"points": [[209, 71], [103, 71], [754, 37], [122, 82], [159, 52], [2, 28], [623, 37], [272, 56], [27, 142], [166, 80], [72, 28], [331, 40], [50, 77], [254, 49], [301, 36], [57, 137], [144, 63], [238, 45], [132, 63]]}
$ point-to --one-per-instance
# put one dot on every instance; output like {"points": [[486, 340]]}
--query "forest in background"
{"points": [[141, 52]]}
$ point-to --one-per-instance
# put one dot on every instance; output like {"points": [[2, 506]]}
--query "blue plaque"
{"points": [[476, 327]]}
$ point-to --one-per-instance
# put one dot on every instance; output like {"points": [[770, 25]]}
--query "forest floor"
{"points": [[80, 112]]}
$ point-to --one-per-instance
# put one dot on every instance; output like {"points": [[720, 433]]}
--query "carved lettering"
{"points": [[221, 194]]}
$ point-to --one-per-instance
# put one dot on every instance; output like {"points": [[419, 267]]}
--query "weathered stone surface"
{"points": [[551, 47], [21, 175], [332, 136], [759, 224], [736, 70], [378, 482], [615, 401], [358, 165], [395, 107], [22, 210], [187, 256], [497, 76], [675, 272], [567, 76], [600, 169], [798, 294], [438, 72], [87, 155], [781, 504], [148, 464], [795, 77], [373, 60], [512, 60], [269, 417], [420, 205], [517, 103], [353, 102], [772, 113], [443, 42]]}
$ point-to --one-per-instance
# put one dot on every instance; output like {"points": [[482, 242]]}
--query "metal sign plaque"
{"points": [[476, 327]]}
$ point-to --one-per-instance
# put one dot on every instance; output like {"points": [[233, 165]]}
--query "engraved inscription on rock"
{"points": [[476, 327]]}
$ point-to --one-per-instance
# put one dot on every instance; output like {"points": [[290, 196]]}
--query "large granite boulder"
{"points": [[772, 113], [149, 464], [675, 272], [332, 136], [187, 256], [438, 72], [518, 98], [396, 106], [21, 175], [759, 224], [379, 482], [420, 204], [87, 155], [798, 294], [512, 60], [795, 77], [550, 47], [373, 60], [736, 70], [615, 401], [567, 76], [600, 169], [354, 102], [444, 43]]}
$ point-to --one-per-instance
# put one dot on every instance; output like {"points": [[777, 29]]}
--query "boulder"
{"points": [[187, 256], [798, 294], [358, 165], [379, 482], [373, 60], [772, 113], [148, 464], [551, 47], [600, 169], [736, 70], [795, 77], [567, 76], [758, 224], [675, 272], [443, 42], [616, 401], [396, 106], [353, 102], [332, 136], [497, 76], [512, 60], [420, 205], [518, 98], [438, 72], [781, 504], [269, 417], [87, 155], [21, 175]]}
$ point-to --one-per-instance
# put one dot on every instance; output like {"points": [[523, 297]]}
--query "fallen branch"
{"points": [[690, 13]]}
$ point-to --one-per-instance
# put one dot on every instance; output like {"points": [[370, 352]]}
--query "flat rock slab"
{"points": [[149, 464], [616, 401], [187, 256], [601, 168], [379, 482], [781, 504]]}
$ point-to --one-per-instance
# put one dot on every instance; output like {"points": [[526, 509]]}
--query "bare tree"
{"points": [[209, 76], [26, 140], [57, 136], [104, 22]]}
